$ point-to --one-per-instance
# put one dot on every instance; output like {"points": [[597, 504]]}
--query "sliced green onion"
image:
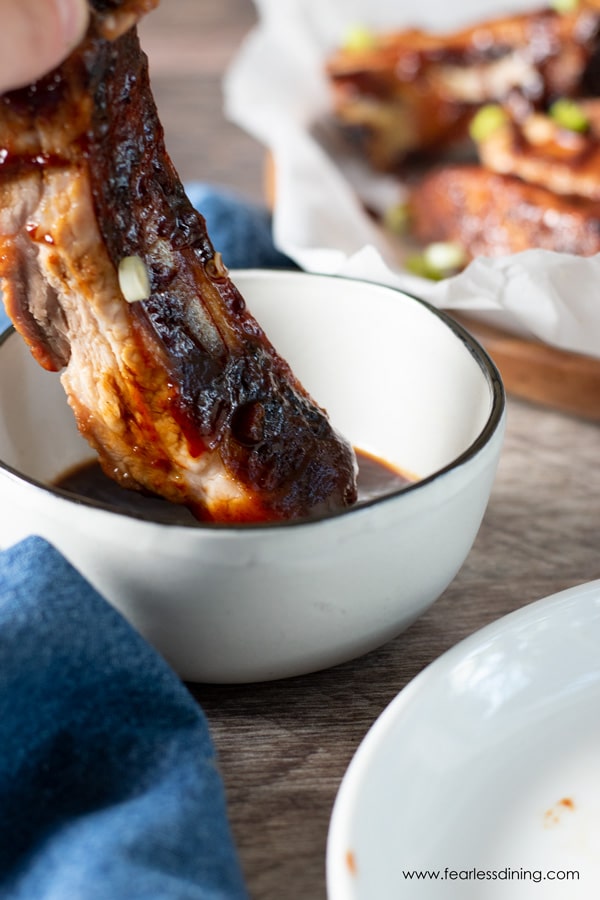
{"points": [[569, 114], [417, 265], [134, 280], [358, 37], [564, 6], [438, 260], [396, 218], [445, 256], [486, 120]]}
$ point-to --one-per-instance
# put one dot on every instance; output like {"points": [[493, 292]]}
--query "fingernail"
{"points": [[73, 16]]}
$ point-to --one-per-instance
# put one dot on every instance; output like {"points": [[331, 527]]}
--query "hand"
{"points": [[36, 35]]}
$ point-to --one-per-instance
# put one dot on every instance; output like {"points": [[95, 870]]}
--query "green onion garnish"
{"points": [[438, 260], [486, 120], [358, 37], [569, 114], [564, 6], [396, 218]]}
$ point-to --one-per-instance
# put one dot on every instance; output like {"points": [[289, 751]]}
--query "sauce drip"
{"points": [[376, 479]]}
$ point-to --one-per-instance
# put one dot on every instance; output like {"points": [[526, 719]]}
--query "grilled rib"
{"points": [[540, 151], [414, 91], [180, 393], [491, 214]]}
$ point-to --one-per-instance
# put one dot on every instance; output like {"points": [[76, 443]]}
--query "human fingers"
{"points": [[35, 37]]}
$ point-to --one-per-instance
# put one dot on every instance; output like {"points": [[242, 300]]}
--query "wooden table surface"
{"points": [[284, 746]]}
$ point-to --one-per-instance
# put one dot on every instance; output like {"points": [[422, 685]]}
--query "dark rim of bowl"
{"points": [[494, 419]]}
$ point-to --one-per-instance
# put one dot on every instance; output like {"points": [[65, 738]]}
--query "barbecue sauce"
{"points": [[376, 479]]}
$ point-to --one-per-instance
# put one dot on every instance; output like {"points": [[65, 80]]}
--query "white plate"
{"points": [[485, 769]]}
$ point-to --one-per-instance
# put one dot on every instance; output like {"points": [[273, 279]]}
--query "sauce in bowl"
{"points": [[376, 478]]}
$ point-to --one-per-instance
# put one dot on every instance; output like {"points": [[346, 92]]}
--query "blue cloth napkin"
{"points": [[109, 786], [239, 229]]}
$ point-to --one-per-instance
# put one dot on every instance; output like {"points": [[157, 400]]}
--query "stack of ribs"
{"points": [[538, 186], [170, 378], [409, 100]]}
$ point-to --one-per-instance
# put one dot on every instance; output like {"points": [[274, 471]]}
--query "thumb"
{"points": [[35, 37]]}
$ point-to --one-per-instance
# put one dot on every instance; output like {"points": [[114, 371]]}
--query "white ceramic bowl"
{"points": [[250, 603]]}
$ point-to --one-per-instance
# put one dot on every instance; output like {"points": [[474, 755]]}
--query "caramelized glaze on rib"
{"points": [[416, 91], [490, 214], [180, 393]]}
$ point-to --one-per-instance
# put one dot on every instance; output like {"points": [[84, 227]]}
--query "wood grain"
{"points": [[190, 43], [534, 371], [284, 747]]}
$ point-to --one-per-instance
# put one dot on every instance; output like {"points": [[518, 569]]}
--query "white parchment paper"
{"points": [[277, 91]]}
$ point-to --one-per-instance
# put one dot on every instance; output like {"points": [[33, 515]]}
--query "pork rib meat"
{"points": [[413, 91], [180, 393]]}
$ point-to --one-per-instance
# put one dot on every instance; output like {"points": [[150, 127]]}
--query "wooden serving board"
{"points": [[534, 371], [531, 370]]}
